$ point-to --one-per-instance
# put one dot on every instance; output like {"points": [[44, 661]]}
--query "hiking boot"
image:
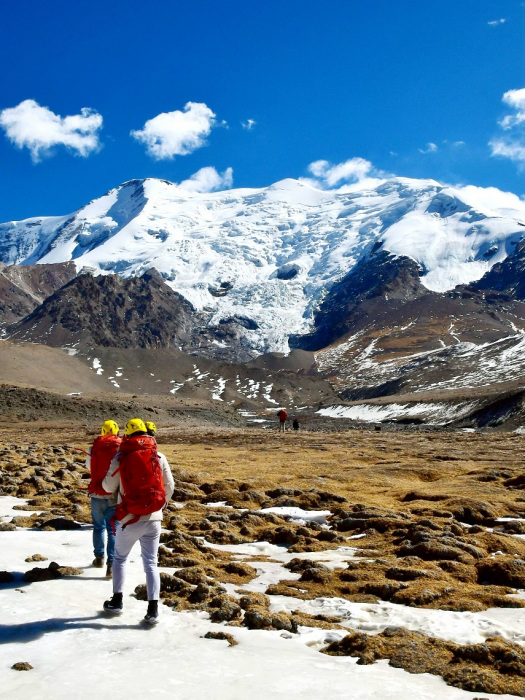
{"points": [[109, 570], [98, 562], [152, 615], [114, 606]]}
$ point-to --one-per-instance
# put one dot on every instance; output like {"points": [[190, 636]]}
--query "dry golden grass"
{"points": [[409, 492], [376, 468]]}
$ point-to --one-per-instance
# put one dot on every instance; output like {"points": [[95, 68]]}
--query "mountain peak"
{"points": [[269, 256]]}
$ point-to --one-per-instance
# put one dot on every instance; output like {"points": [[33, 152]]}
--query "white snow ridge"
{"points": [[269, 255]]}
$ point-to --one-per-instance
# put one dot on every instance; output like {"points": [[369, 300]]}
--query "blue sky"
{"points": [[246, 93]]}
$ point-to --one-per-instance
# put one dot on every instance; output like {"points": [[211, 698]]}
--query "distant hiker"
{"points": [[282, 415], [295, 424], [151, 428], [103, 504], [144, 482]]}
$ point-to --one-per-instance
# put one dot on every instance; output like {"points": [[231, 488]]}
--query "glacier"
{"points": [[269, 255]]}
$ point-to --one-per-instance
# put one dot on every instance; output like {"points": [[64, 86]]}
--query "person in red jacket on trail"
{"points": [[103, 504], [142, 478], [283, 416]]}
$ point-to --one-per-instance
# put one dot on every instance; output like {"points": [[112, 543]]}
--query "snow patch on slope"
{"points": [[437, 413]]}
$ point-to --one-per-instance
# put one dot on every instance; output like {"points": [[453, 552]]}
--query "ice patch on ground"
{"points": [[439, 413]]}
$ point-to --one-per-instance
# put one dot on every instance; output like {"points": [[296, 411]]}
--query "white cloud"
{"points": [[208, 180], [29, 125], [353, 174], [352, 170], [508, 148], [497, 22], [248, 124], [177, 133], [516, 100], [429, 148], [512, 144], [492, 200]]}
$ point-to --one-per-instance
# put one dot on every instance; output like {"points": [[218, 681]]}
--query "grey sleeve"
{"points": [[111, 480], [167, 477]]}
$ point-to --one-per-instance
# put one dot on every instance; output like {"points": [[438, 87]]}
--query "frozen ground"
{"points": [[78, 652]]}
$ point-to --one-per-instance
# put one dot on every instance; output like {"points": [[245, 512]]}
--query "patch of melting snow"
{"points": [[510, 520], [298, 515], [267, 391], [8, 511], [250, 417], [459, 627], [221, 385], [436, 412], [97, 366]]}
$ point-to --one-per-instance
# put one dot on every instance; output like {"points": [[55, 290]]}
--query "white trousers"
{"points": [[148, 533]]}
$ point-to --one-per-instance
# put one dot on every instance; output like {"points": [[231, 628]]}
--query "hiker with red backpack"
{"points": [[283, 417], [142, 477], [103, 504]]}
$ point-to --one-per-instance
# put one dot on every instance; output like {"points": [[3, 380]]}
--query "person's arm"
{"points": [[167, 477], [111, 481]]}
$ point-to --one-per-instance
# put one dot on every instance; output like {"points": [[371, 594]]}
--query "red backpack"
{"points": [[141, 484], [103, 450]]}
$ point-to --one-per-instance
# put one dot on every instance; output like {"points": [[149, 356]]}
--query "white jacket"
{"points": [[112, 484]]}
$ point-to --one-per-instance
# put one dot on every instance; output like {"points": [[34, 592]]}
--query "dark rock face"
{"points": [[379, 275], [109, 311], [24, 287], [508, 276]]}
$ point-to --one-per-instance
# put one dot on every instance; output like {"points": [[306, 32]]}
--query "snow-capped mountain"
{"points": [[267, 258]]}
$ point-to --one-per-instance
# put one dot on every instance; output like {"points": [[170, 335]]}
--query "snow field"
{"points": [[436, 413], [280, 247], [78, 652]]}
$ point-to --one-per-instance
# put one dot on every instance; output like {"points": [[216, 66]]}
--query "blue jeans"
{"points": [[101, 513]]}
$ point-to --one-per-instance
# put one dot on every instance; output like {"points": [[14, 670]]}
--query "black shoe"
{"points": [[114, 606], [152, 615]]}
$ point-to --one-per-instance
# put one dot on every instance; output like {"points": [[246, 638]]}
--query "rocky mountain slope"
{"points": [[380, 331], [401, 288], [109, 311], [24, 287], [263, 260]]}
